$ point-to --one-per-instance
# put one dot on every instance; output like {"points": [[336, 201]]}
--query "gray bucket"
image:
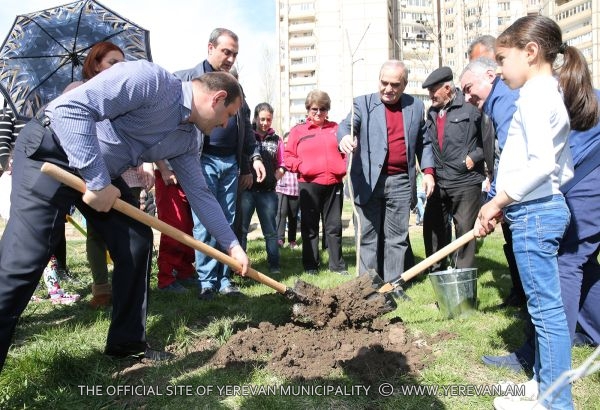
{"points": [[455, 290]]}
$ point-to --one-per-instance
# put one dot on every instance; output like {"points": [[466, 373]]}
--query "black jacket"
{"points": [[268, 148], [246, 147], [462, 137]]}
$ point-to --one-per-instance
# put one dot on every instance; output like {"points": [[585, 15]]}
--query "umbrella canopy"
{"points": [[44, 51]]}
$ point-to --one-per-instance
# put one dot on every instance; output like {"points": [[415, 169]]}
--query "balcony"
{"points": [[308, 52], [303, 67], [299, 27], [307, 79], [301, 14], [302, 41]]}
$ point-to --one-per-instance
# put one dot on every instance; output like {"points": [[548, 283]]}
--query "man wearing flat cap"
{"points": [[454, 129]]}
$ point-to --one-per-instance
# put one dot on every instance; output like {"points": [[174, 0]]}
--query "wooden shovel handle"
{"points": [[430, 260], [135, 213]]}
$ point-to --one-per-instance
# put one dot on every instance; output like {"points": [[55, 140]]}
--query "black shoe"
{"points": [[230, 291], [157, 355], [510, 361], [581, 339], [514, 300], [137, 351], [206, 293]]}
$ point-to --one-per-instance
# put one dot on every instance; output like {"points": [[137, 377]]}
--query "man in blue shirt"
{"points": [[152, 115], [224, 158], [487, 91]]}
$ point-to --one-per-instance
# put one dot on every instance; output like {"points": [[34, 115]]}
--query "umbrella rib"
{"points": [[47, 33], [47, 78], [40, 56], [74, 51], [82, 50]]}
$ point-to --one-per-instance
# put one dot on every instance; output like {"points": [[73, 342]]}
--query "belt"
{"points": [[218, 151]]}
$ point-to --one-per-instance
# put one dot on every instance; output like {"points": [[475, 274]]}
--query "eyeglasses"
{"points": [[316, 110]]}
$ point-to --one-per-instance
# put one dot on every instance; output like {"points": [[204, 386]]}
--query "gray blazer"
{"points": [[371, 132]]}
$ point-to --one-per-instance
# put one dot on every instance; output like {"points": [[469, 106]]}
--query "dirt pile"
{"points": [[340, 331], [369, 354]]}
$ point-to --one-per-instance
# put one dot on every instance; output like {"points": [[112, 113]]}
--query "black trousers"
{"points": [[463, 204], [317, 200], [287, 210], [39, 205]]}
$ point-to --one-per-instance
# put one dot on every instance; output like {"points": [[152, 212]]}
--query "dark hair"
{"points": [[318, 97], [95, 56], [487, 41], [217, 81], [573, 75], [218, 32], [261, 107]]}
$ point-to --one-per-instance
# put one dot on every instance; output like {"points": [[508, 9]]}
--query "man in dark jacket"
{"points": [[454, 129], [224, 158]]}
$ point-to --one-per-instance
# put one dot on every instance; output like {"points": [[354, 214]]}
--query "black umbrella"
{"points": [[44, 50]]}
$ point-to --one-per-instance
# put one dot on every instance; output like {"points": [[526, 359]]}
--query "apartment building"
{"points": [[339, 45]]}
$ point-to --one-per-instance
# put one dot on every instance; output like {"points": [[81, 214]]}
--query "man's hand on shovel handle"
{"points": [[102, 200], [239, 255]]}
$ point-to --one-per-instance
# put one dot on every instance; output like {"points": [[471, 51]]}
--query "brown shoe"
{"points": [[101, 301], [102, 296]]}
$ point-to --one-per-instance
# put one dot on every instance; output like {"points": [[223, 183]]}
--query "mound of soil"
{"points": [[334, 331], [380, 351]]}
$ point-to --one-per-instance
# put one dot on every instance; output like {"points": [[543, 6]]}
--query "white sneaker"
{"points": [[517, 403], [515, 390]]}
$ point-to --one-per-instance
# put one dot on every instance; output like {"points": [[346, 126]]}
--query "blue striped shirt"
{"points": [[147, 109]]}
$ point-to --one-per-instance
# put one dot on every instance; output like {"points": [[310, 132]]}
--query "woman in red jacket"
{"points": [[312, 153]]}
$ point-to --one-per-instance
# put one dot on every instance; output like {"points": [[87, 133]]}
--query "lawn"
{"points": [[57, 362]]}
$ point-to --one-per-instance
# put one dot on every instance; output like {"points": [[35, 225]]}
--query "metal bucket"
{"points": [[455, 290]]}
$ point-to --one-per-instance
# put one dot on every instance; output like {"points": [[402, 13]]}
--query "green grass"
{"points": [[57, 359]]}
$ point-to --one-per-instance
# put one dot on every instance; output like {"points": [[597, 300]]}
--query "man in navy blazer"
{"points": [[388, 140]]}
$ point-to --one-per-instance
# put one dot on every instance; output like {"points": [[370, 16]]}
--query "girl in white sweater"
{"points": [[535, 161]]}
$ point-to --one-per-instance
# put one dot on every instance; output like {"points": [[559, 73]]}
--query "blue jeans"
{"points": [[221, 175], [537, 228], [265, 204]]}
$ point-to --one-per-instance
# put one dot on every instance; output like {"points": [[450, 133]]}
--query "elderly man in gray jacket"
{"points": [[388, 140]]}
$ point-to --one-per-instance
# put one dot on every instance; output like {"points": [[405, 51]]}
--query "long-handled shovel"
{"points": [[78, 184], [427, 262]]}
